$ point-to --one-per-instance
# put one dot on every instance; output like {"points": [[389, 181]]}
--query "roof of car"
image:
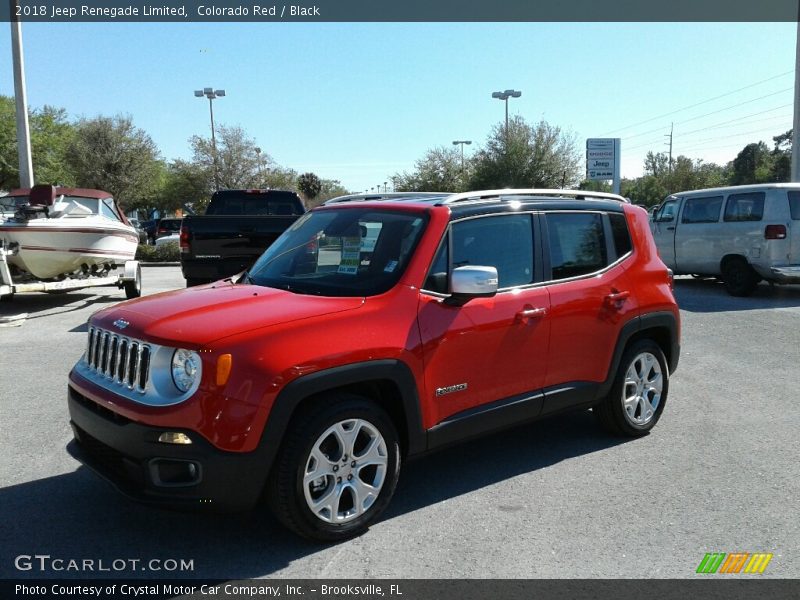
{"points": [[755, 187], [489, 201]]}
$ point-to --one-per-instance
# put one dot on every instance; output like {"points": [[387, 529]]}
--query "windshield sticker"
{"points": [[351, 253], [390, 266]]}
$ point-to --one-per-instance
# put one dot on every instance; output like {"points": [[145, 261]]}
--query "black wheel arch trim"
{"points": [[653, 320], [296, 391]]}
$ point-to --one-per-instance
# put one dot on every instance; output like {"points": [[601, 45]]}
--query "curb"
{"points": [[160, 264]]}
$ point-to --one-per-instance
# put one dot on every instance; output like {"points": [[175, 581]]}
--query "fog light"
{"points": [[174, 437]]}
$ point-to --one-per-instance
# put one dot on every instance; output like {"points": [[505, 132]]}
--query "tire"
{"points": [[739, 277], [324, 442], [626, 411], [133, 289]]}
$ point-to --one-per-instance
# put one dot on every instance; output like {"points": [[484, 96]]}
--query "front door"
{"points": [[491, 348], [663, 228]]}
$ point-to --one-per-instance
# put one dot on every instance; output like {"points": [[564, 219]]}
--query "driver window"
{"points": [[667, 211]]}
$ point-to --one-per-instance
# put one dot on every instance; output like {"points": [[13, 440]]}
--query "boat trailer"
{"points": [[130, 280]]}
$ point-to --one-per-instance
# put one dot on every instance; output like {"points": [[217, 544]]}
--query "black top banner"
{"points": [[399, 10]]}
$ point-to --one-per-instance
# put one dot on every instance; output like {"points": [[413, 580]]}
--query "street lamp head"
{"points": [[220, 93], [516, 94], [198, 93], [498, 95], [468, 142], [208, 91]]}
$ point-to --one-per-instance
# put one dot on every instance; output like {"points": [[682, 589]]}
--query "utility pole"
{"points": [[21, 98], [796, 129], [671, 127]]}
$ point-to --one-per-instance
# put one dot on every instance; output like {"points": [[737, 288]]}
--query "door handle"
{"points": [[531, 313], [671, 228], [617, 298]]}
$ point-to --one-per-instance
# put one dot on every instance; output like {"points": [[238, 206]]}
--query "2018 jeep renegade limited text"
{"points": [[369, 332]]}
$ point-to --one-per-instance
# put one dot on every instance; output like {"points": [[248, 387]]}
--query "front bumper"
{"points": [[129, 456]]}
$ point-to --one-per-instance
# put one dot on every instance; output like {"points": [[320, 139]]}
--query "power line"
{"points": [[700, 103], [713, 113], [739, 119], [656, 141], [737, 105], [698, 143]]}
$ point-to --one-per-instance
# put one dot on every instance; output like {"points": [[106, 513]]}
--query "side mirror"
{"points": [[472, 282]]}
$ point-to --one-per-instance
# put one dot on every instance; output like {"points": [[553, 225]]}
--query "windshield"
{"points": [[347, 252]]}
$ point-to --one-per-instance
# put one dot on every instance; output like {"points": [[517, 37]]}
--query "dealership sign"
{"points": [[602, 159]]}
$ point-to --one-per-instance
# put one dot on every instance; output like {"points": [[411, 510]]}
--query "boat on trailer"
{"points": [[61, 238]]}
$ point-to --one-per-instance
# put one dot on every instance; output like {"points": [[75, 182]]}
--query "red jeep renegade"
{"points": [[372, 331]]}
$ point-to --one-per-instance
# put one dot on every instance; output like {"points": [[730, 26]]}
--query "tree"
{"points": [[186, 185], [782, 157], [330, 188], [239, 166], [111, 154], [752, 165], [309, 185], [440, 170], [539, 155], [50, 136]]}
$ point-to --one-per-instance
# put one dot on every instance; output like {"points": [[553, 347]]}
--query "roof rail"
{"points": [[386, 196], [506, 195]]}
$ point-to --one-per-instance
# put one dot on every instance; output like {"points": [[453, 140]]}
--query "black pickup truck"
{"points": [[236, 229]]}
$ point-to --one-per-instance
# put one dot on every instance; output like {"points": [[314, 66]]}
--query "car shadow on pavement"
{"points": [[709, 295], [76, 515], [44, 305]]}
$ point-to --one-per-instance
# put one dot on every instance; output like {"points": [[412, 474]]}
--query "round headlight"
{"points": [[185, 368]]}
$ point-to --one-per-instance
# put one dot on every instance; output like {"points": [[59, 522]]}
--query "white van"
{"points": [[742, 234]]}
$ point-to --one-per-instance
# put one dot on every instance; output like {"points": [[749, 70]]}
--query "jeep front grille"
{"points": [[123, 360]]}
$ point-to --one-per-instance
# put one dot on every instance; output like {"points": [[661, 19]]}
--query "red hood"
{"points": [[200, 315]]}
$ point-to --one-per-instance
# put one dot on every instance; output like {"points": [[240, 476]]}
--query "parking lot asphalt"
{"points": [[558, 498]]}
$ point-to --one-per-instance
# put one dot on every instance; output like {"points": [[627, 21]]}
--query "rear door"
{"points": [[663, 228], [591, 298]]}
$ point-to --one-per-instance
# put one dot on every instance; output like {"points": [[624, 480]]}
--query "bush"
{"points": [[170, 252]]}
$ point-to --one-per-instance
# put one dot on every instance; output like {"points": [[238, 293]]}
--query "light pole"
{"points": [[21, 99], [384, 186], [211, 94], [505, 96], [462, 142], [258, 158]]}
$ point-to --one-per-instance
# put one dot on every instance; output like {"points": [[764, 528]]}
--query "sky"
{"points": [[359, 102]]}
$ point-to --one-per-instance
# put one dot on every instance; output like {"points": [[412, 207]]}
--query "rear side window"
{"points": [[703, 209], [577, 244], [622, 237], [504, 242], [794, 205], [745, 207]]}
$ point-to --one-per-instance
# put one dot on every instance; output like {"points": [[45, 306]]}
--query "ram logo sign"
{"points": [[736, 562]]}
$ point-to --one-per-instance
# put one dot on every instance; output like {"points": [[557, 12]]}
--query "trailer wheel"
{"points": [[133, 287]]}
